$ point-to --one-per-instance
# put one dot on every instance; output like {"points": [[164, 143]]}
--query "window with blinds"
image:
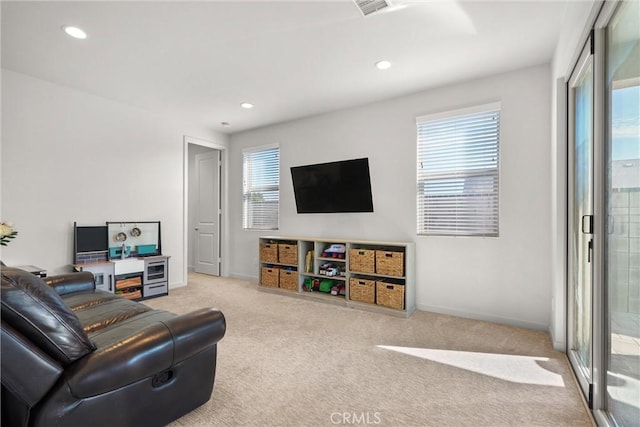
{"points": [[458, 172], [261, 188]]}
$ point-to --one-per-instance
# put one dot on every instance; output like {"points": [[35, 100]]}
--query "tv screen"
{"points": [[91, 239], [334, 187]]}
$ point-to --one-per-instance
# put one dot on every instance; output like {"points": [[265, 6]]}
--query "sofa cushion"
{"points": [[108, 313], [37, 311]]}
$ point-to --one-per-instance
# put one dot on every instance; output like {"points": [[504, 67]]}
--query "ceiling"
{"points": [[198, 61]]}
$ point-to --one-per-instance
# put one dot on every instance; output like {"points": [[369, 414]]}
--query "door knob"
{"points": [[196, 228]]}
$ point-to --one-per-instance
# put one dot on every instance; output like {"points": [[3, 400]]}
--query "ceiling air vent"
{"points": [[368, 7]]}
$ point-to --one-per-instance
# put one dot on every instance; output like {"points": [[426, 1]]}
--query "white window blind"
{"points": [[261, 187], [458, 172]]}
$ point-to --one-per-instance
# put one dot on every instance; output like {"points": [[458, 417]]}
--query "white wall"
{"points": [[69, 156], [504, 279]]}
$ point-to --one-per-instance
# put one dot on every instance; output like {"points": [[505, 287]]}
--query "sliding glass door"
{"points": [[603, 234], [580, 227], [622, 205]]}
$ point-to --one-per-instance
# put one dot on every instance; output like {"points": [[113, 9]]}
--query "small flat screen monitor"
{"points": [[91, 239]]}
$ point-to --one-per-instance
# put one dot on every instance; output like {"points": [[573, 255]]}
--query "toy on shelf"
{"points": [[308, 262], [326, 285], [331, 269], [310, 284], [338, 290], [336, 250]]}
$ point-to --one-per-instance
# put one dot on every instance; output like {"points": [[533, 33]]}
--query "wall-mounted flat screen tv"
{"points": [[343, 186]]}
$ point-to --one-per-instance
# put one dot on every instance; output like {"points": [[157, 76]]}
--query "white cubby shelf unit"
{"points": [[375, 276]]}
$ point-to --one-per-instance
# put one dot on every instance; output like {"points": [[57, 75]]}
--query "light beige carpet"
{"points": [[291, 362]]}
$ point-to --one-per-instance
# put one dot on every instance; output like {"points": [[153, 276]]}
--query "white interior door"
{"points": [[207, 247]]}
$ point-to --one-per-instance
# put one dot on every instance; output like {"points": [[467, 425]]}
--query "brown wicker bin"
{"points": [[390, 263], [289, 280], [270, 277], [268, 252], [390, 295], [288, 254], [362, 260], [362, 290], [131, 295]]}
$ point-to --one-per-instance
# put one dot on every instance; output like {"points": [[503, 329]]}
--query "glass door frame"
{"points": [[595, 390], [584, 374], [601, 310]]}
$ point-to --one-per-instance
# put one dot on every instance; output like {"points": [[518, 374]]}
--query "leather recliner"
{"points": [[76, 356]]}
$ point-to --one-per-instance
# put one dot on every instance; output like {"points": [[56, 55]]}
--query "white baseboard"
{"points": [[243, 276], [558, 344], [484, 317], [176, 285]]}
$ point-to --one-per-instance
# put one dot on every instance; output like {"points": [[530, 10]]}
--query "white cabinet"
{"points": [[103, 272], [133, 278], [128, 277], [128, 266], [368, 275], [156, 276]]}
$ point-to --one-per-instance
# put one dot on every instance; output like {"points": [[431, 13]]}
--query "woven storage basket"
{"points": [[362, 260], [288, 254], [289, 280], [390, 263], [270, 277], [131, 295], [268, 252], [128, 283], [390, 295], [362, 290]]}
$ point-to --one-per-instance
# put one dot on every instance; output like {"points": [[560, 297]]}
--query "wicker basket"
{"points": [[288, 254], [362, 260], [131, 295], [268, 252], [390, 295], [362, 290], [128, 283], [289, 280], [270, 277], [390, 263]]}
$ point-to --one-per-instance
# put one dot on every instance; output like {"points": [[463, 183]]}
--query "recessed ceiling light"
{"points": [[74, 32], [383, 65], [246, 105]]}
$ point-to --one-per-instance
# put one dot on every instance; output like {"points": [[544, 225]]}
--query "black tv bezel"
{"points": [[75, 239], [329, 210]]}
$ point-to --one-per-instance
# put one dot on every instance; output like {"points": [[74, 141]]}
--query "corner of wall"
{"points": [[559, 344]]}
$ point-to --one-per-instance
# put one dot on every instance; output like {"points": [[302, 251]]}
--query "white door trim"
{"points": [[224, 224]]}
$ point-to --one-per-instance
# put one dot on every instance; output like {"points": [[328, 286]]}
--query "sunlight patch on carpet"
{"points": [[513, 368]]}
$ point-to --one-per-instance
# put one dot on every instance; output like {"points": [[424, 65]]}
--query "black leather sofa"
{"points": [[76, 356]]}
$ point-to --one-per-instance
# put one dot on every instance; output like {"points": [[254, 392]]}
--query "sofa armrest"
{"points": [[81, 281], [150, 351], [191, 330], [27, 372]]}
